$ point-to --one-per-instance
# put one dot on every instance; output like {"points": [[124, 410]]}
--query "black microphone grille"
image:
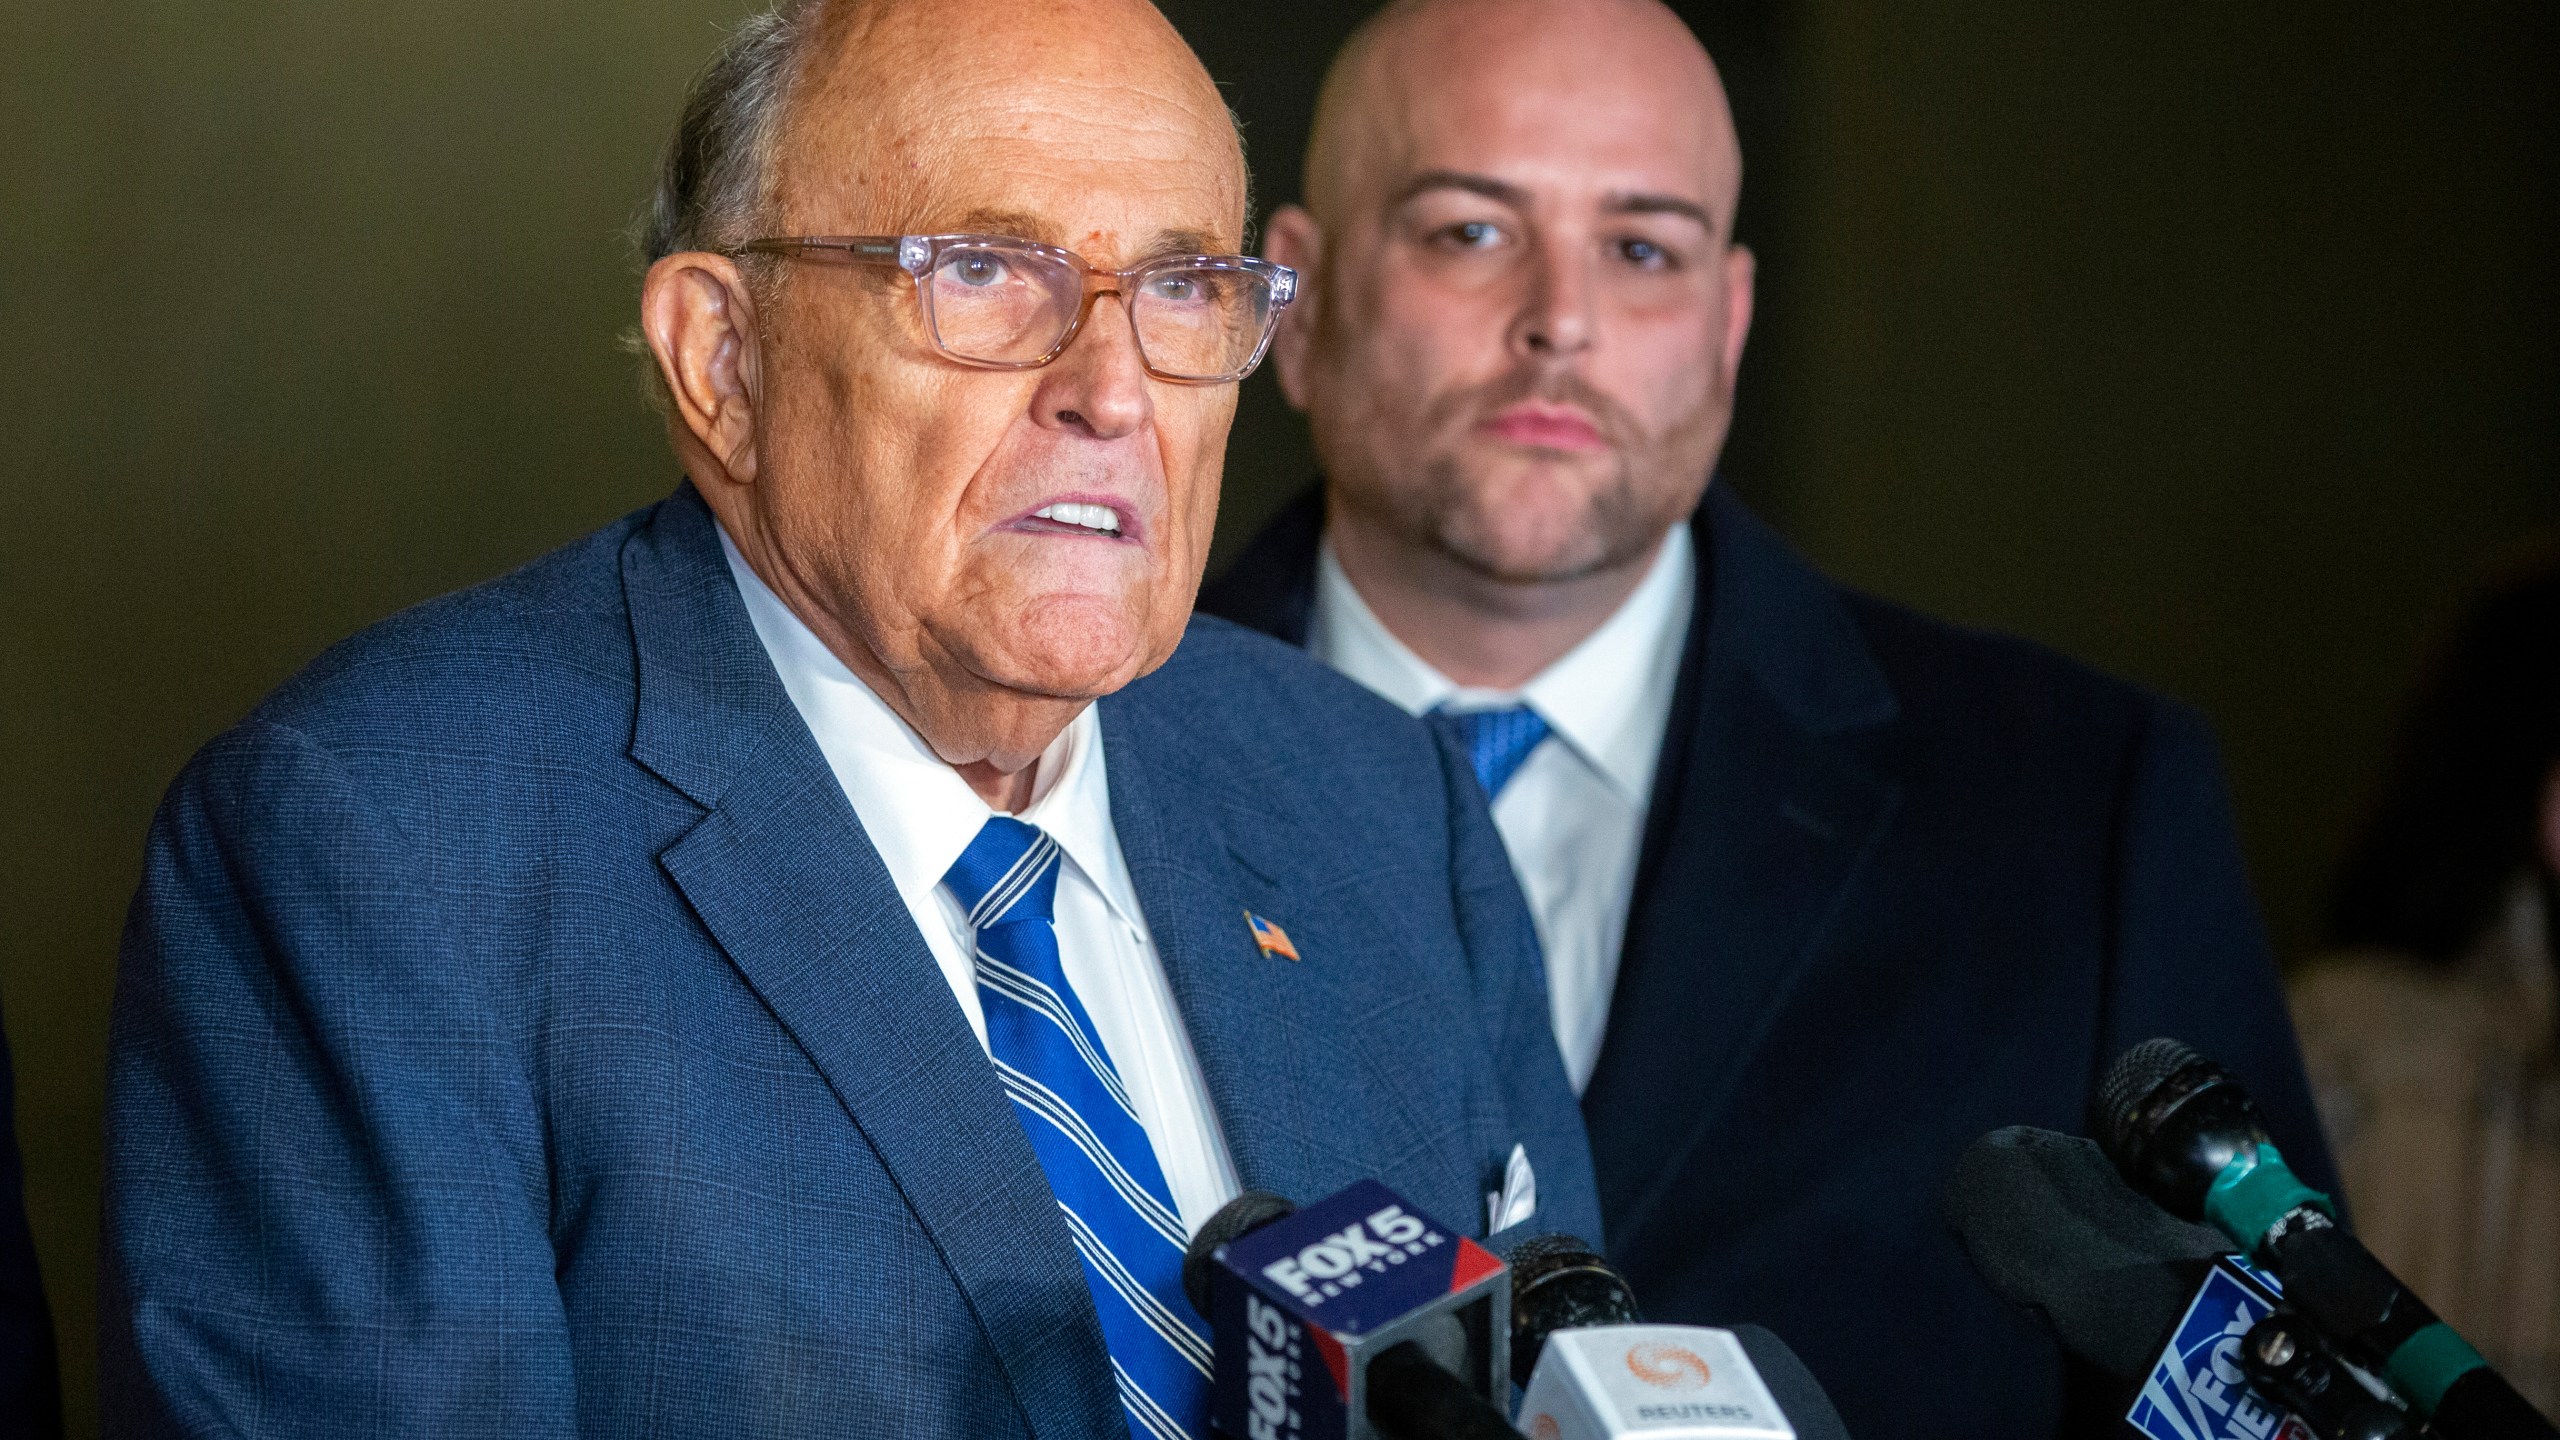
{"points": [[1540, 1254], [1558, 1282], [2131, 1080], [1247, 1212]]}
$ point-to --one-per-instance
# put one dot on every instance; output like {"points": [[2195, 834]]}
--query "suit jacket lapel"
{"points": [[1764, 806], [1302, 1058], [1240, 1006], [780, 872]]}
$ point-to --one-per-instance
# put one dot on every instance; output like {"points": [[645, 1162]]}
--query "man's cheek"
{"points": [[1191, 448], [1678, 369], [1430, 330]]}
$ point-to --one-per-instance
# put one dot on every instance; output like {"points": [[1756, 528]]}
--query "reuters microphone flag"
{"points": [[1272, 939]]}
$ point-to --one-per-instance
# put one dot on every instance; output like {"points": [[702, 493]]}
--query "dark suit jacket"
{"points": [[517, 1035], [1901, 883]]}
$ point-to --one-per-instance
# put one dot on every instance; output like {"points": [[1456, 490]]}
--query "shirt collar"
{"points": [[916, 810], [1609, 697]]}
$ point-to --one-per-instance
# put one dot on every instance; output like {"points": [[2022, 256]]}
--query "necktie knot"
{"points": [[1497, 742], [1008, 873]]}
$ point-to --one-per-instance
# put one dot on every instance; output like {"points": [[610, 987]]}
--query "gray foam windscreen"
{"points": [[2054, 1230]]}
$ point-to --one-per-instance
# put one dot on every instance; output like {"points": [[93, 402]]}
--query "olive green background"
{"points": [[2211, 344]]}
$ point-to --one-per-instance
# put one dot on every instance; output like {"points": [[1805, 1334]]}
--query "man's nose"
{"points": [[1099, 386], [1555, 316]]}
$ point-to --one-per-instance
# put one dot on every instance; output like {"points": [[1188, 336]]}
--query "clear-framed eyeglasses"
{"points": [[1007, 304]]}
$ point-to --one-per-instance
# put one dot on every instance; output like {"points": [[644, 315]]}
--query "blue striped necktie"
{"points": [[1497, 742], [1071, 1103]]}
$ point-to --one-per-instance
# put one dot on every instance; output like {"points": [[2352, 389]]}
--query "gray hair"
{"points": [[715, 181]]}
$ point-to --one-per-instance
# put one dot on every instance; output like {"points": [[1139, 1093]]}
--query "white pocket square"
{"points": [[1517, 1201]]}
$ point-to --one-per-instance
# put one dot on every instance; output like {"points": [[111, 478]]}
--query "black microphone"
{"points": [[1558, 1282], [1594, 1370], [1357, 1318], [2147, 1298], [2181, 1130], [1798, 1393], [2292, 1363]]}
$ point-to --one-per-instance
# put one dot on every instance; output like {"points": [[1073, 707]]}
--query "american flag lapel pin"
{"points": [[1271, 938]]}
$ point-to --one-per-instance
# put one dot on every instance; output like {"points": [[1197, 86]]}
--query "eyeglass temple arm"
{"points": [[910, 253]]}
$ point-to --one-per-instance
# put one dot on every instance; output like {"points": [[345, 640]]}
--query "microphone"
{"points": [[1595, 1371], [1357, 1318], [2181, 1130], [2149, 1299], [2054, 1231], [2288, 1360], [1558, 1282]]}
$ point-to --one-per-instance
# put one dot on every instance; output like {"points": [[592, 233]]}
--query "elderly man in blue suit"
{"points": [[801, 960], [1827, 889]]}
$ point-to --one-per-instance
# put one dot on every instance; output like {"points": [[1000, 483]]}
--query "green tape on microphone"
{"points": [[2255, 1191], [2427, 1363]]}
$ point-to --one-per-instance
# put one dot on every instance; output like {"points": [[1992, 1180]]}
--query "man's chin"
{"points": [[1067, 647], [1527, 548], [1527, 517], [1527, 569]]}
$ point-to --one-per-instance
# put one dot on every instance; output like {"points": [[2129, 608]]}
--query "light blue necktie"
{"points": [[1497, 742], [1070, 1101]]}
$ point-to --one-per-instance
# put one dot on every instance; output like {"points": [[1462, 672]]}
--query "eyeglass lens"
{"points": [[1005, 306]]}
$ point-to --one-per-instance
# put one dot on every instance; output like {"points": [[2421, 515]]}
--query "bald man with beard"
{"points": [[803, 960], [1826, 889]]}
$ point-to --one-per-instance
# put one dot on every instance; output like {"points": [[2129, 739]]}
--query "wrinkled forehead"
{"points": [[1061, 137]]}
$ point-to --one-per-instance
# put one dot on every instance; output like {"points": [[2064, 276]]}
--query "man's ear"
{"points": [[1293, 238], [700, 322], [1741, 281]]}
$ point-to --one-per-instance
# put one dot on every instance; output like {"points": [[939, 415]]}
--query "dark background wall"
{"points": [[2211, 345]]}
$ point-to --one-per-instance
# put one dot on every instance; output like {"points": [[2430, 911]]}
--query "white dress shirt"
{"points": [[1573, 816], [919, 814]]}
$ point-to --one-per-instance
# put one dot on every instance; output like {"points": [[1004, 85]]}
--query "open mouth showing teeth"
{"points": [[1091, 519]]}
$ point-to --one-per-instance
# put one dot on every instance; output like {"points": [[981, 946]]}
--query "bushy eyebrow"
{"points": [[1023, 225], [1185, 242], [1503, 190], [1648, 204], [1518, 197]]}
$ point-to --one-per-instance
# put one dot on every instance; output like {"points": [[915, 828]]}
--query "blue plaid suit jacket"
{"points": [[516, 1035]]}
